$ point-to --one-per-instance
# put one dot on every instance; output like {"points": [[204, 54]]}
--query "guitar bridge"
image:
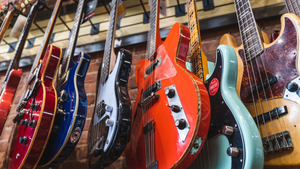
{"points": [[278, 142], [97, 147]]}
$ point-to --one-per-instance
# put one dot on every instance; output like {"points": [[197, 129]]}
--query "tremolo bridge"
{"points": [[150, 94]]}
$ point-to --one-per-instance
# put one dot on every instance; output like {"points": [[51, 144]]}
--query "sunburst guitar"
{"points": [[268, 84]]}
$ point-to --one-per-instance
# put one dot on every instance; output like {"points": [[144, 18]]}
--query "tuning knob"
{"points": [[233, 151], [170, 93], [292, 86], [175, 108], [24, 122], [26, 2], [22, 5], [34, 107], [23, 140], [227, 130], [181, 124], [32, 123]]}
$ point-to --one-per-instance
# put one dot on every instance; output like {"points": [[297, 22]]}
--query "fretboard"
{"points": [[249, 32], [14, 63], [109, 43], [197, 58], [153, 29], [67, 59], [293, 6], [47, 35]]}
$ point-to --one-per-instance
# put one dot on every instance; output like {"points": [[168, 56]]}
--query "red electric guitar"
{"points": [[13, 73], [37, 106], [171, 116]]}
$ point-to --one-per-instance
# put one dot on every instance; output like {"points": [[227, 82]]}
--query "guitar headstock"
{"points": [[4, 9]]}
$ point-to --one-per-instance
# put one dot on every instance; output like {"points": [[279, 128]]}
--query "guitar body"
{"points": [[28, 153], [228, 110], [170, 150], [68, 125], [114, 93], [8, 94], [280, 60]]}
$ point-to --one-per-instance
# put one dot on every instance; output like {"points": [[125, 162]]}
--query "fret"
{"points": [[248, 29], [66, 60]]}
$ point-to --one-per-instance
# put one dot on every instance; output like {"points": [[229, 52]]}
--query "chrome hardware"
{"points": [[32, 123], [61, 111], [17, 156], [149, 98], [20, 115], [109, 122], [75, 135], [233, 151], [34, 106], [227, 130], [23, 140], [24, 122], [196, 145], [108, 108], [291, 91], [170, 93], [63, 97], [278, 142], [178, 113]]}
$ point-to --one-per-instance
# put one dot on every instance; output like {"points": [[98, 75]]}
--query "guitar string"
{"points": [[272, 98], [238, 7]]}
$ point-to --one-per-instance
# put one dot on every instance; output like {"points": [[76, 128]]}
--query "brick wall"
{"points": [[78, 159]]}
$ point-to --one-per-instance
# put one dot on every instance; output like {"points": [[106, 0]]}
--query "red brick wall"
{"points": [[78, 159]]}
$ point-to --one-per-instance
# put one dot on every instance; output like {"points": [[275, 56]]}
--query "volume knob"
{"points": [[233, 151], [227, 130], [24, 122], [175, 108], [23, 140], [170, 93], [181, 124]]}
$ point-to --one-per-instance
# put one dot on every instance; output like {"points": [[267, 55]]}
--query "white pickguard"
{"points": [[107, 93]]}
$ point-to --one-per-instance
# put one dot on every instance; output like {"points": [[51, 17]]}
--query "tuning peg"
{"points": [[22, 5], [26, 2], [23, 10], [3, 7]]}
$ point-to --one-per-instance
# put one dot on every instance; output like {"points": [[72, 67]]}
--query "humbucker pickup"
{"points": [[266, 83], [273, 113]]}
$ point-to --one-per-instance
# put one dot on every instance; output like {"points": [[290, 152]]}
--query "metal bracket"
{"points": [[146, 17], [95, 28], [30, 43], [179, 9], [208, 5], [293, 95], [12, 47]]}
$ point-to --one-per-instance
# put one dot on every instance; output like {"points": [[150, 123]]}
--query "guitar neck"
{"points": [[6, 22], [251, 38], [47, 35], [14, 64], [67, 59], [293, 7], [200, 67], [109, 43], [153, 33]]}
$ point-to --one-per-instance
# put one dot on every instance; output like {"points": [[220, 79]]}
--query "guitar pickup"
{"points": [[148, 127], [273, 113], [266, 83], [153, 66]]}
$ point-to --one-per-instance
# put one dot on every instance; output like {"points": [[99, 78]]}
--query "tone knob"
{"points": [[233, 151], [292, 86], [181, 124], [23, 140], [24, 122], [227, 130], [109, 122], [34, 107], [32, 123], [175, 108], [170, 93]]}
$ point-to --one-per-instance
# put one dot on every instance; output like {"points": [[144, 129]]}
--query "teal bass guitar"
{"points": [[233, 141]]}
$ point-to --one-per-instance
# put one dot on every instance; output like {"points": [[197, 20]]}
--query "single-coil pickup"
{"points": [[275, 113], [153, 66], [148, 127], [277, 142], [150, 94], [266, 83]]}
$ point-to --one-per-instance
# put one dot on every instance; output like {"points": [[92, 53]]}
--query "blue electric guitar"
{"points": [[233, 140], [109, 129], [72, 101]]}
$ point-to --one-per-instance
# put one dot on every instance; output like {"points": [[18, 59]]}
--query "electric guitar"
{"points": [[171, 116], [110, 124], [10, 14], [267, 84], [37, 105], [72, 102], [233, 139], [13, 73]]}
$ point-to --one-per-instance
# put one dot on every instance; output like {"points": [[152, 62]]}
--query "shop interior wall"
{"points": [[79, 158]]}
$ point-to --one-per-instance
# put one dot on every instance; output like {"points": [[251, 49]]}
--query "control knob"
{"points": [[175, 108], [170, 93], [233, 151], [181, 124], [24, 122], [23, 140], [227, 130]]}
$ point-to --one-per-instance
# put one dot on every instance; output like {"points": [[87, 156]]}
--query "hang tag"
{"points": [[90, 8], [162, 7], [17, 29]]}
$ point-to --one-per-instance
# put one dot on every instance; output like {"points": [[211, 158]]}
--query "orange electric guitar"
{"points": [[171, 116], [268, 84]]}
